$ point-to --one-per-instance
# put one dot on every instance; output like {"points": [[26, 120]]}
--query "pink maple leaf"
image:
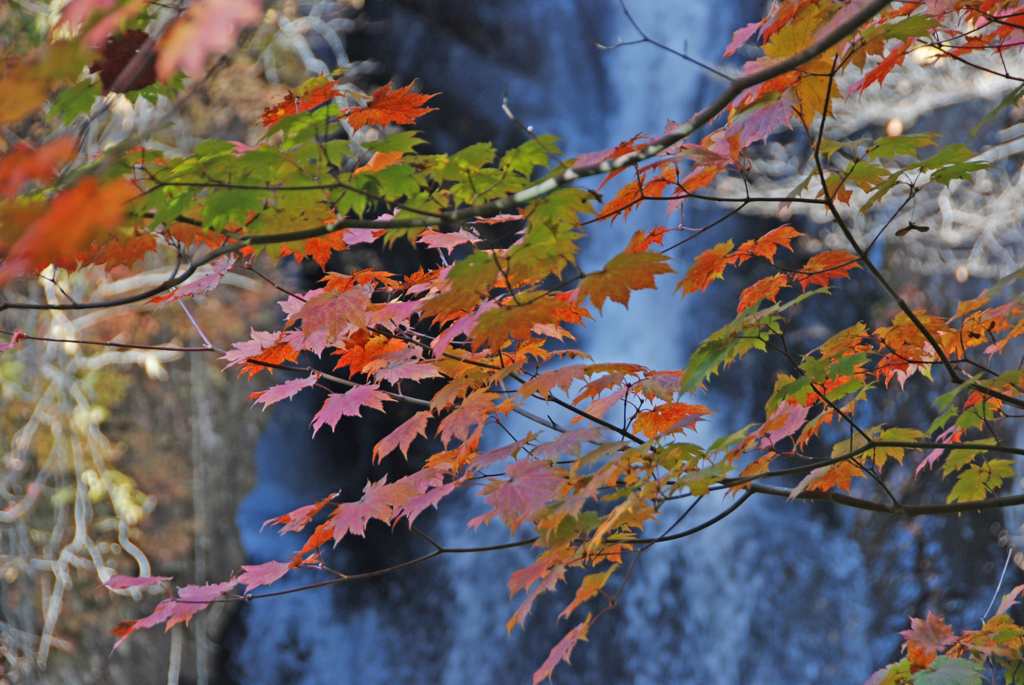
{"points": [[334, 312], [358, 236], [531, 484], [498, 218], [125, 582], [417, 505], [352, 517], [569, 442], [348, 404], [561, 651], [762, 119], [242, 351], [201, 285], [741, 36], [783, 422], [473, 411], [263, 574], [446, 241], [284, 391], [402, 436], [930, 635]]}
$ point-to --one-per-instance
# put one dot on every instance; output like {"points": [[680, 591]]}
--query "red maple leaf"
{"points": [[70, 222], [417, 505], [389, 107], [295, 521], [263, 574], [379, 161], [348, 404], [784, 421], [118, 53]]}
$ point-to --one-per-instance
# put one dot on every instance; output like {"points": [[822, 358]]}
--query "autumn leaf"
{"points": [[473, 412], [208, 27], [333, 312], [263, 574], [927, 638], [827, 477], [295, 521], [707, 267], [126, 582], [379, 161], [544, 383], [390, 107], [284, 391], [741, 36], [823, 267], [446, 241], [352, 517], [767, 288], [669, 418], [317, 92], [349, 403], [767, 245], [201, 285], [625, 273], [74, 218], [561, 651], [590, 586], [41, 164], [531, 484], [642, 240], [411, 509], [402, 437]]}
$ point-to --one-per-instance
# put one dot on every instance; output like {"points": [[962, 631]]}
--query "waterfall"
{"points": [[777, 593]]}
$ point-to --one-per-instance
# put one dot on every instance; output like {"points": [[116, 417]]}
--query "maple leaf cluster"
{"points": [[484, 328]]}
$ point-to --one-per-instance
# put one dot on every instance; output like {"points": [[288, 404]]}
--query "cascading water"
{"points": [[774, 594]]}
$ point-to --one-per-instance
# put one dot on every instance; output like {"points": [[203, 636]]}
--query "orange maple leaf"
{"points": [[294, 103], [389, 107], [74, 219], [708, 266], [766, 288], [671, 416], [767, 245], [825, 478], [821, 268], [25, 163], [625, 273]]}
